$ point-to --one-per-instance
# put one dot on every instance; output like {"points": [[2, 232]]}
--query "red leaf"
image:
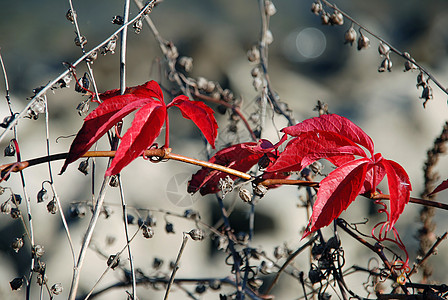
{"points": [[113, 108], [200, 114], [333, 123], [440, 187], [336, 192], [99, 121], [145, 128], [399, 188], [241, 157], [314, 145]]}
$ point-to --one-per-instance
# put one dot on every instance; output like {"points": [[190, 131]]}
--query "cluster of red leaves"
{"points": [[330, 137], [146, 126]]}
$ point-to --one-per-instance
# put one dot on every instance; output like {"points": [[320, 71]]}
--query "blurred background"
{"points": [[307, 62]]}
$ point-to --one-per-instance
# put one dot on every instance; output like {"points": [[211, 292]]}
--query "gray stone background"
{"points": [[35, 38]]}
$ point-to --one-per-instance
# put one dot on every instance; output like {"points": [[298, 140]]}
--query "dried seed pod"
{"points": [[169, 227], [315, 276], [363, 41], [118, 20], [255, 72], [138, 25], [113, 261], [78, 210], [130, 219], [200, 288], [245, 195], [9, 150], [84, 167], [151, 220], [38, 251], [386, 64], [70, 15], [325, 18], [192, 214], [114, 181], [16, 198], [225, 185], [257, 83], [17, 244], [268, 37], [56, 288], [253, 55], [280, 252], [383, 49], [147, 231], [227, 95], [420, 80], [260, 190], [16, 283], [222, 243], [210, 87], [201, 83], [39, 267], [38, 106], [42, 195], [266, 267], [157, 263], [15, 213], [270, 8], [80, 41], [92, 56], [41, 279], [350, 35], [5, 207], [6, 121], [316, 167], [186, 63], [63, 82], [215, 284], [196, 234], [83, 108], [52, 207], [242, 237], [83, 85], [426, 94], [337, 18], [316, 8], [408, 65], [172, 52], [110, 46]]}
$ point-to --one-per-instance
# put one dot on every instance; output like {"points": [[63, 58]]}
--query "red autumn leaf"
{"points": [[241, 157], [99, 121], [333, 123], [200, 114], [314, 145], [399, 188], [336, 192], [144, 130], [440, 187]]}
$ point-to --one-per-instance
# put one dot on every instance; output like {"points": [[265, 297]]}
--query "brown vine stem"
{"points": [[392, 48], [165, 153], [430, 252]]}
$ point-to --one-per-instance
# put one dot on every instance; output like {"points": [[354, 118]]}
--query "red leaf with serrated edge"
{"points": [[241, 157], [333, 123], [200, 114], [336, 192], [113, 108], [145, 128], [148, 89], [314, 145], [440, 187], [369, 185], [99, 121], [399, 188]]}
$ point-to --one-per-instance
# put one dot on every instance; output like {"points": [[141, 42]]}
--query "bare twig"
{"points": [[176, 265]]}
